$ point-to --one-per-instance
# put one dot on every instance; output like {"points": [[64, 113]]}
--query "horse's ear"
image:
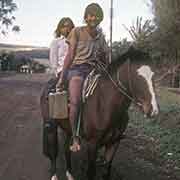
{"points": [[138, 55]]}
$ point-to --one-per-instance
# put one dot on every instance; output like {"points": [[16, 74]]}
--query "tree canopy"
{"points": [[140, 32], [167, 34], [7, 8], [160, 35]]}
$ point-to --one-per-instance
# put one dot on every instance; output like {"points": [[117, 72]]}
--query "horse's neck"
{"points": [[111, 87], [123, 76]]}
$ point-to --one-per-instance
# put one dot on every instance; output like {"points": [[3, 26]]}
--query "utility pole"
{"points": [[111, 29]]}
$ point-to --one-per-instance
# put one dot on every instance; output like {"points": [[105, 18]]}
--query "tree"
{"points": [[166, 37], [140, 32], [4, 61], [7, 7]]}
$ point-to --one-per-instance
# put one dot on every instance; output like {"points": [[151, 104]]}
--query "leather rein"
{"points": [[119, 85]]}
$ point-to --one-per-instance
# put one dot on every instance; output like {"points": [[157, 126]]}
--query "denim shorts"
{"points": [[81, 70]]}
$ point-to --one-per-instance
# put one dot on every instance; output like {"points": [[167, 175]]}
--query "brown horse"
{"points": [[105, 114]]}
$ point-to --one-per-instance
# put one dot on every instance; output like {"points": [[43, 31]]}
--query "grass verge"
{"points": [[165, 128]]}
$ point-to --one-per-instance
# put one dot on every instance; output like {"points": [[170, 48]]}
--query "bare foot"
{"points": [[69, 176], [54, 177], [75, 147]]}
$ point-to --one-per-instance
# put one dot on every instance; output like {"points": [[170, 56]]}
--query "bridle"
{"points": [[119, 85], [134, 98]]}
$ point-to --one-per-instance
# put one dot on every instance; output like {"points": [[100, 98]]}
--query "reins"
{"points": [[130, 84], [119, 85]]}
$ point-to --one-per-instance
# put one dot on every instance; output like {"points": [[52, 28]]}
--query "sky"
{"points": [[39, 18]]}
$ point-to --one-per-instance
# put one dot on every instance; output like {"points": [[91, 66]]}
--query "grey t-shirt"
{"points": [[87, 49]]}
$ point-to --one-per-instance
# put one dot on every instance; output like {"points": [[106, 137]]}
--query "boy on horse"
{"points": [[87, 46]]}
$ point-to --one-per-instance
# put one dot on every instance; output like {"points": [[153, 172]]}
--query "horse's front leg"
{"points": [[92, 154], [112, 146], [110, 150], [68, 158], [50, 143], [63, 169]]}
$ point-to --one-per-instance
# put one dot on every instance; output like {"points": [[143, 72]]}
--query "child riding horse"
{"points": [[86, 45]]}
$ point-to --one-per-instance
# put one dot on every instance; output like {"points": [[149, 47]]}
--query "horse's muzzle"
{"points": [[150, 111], [155, 112]]}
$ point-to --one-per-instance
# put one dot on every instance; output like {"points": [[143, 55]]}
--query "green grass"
{"points": [[165, 128]]}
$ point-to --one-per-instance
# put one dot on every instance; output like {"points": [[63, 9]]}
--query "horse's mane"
{"points": [[134, 55]]}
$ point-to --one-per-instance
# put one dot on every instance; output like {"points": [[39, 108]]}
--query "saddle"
{"points": [[58, 101]]}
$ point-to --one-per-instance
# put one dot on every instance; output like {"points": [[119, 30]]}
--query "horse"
{"points": [[104, 118]]}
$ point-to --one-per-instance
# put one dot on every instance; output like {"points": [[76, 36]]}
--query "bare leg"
{"points": [[75, 87]]}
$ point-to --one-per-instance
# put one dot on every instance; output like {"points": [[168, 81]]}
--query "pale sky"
{"points": [[38, 18]]}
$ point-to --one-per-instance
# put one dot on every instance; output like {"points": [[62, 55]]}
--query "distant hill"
{"points": [[25, 50], [15, 47], [35, 53]]}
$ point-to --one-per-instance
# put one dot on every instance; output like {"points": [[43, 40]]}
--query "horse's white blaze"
{"points": [[146, 73], [69, 176]]}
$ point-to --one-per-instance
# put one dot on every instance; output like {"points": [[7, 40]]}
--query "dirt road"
{"points": [[20, 138], [20, 129]]}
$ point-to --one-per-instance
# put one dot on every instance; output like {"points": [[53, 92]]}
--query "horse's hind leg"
{"points": [[63, 161], [49, 129], [50, 143]]}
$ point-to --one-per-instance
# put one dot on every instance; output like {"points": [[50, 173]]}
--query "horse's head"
{"points": [[137, 77], [142, 88]]}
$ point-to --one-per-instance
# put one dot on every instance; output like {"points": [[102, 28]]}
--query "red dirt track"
{"points": [[21, 155]]}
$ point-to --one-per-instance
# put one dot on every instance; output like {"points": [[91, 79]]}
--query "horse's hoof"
{"points": [[54, 177], [69, 176]]}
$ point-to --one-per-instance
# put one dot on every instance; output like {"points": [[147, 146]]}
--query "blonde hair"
{"points": [[61, 25]]}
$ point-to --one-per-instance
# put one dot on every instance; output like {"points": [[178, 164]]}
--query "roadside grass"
{"points": [[165, 128]]}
